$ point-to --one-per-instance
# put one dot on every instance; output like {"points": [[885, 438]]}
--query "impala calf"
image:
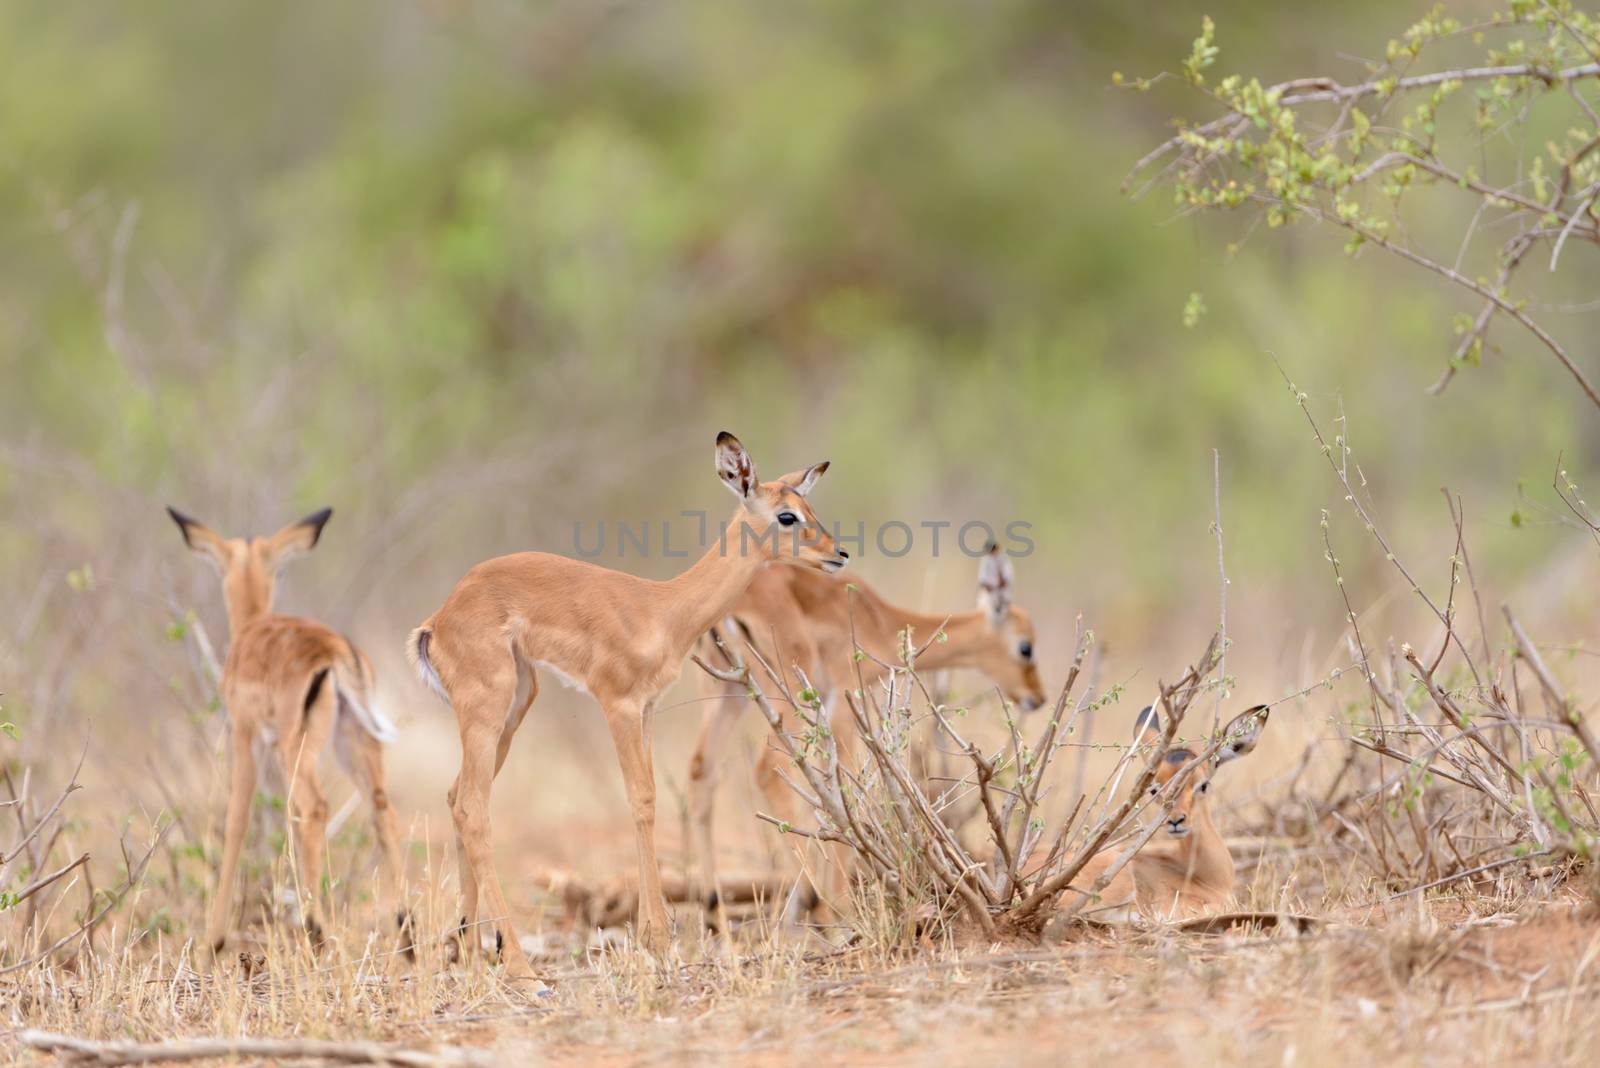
{"points": [[618, 637], [295, 684], [812, 622], [1192, 871]]}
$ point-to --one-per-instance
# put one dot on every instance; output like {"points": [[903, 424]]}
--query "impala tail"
{"points": [[417, 653], [353, 682]]}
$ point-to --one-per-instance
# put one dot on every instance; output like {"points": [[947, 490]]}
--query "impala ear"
{"points": [[1242, 733], [201, 539], [994, 583], [802, 481], [1147, 726], [734, 466], [298, 537]]}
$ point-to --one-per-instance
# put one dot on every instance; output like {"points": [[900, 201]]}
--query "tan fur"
{"points": [[1192, 871], [621, 638], [803, 620], [272, 664]]}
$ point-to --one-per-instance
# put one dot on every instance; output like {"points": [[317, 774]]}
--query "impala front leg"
{"points": [[631, 734]]}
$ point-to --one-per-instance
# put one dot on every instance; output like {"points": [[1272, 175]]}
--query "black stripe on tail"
{"points": [[314, 690]]}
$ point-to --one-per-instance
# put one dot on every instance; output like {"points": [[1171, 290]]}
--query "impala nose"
{"points": [[843, 555]]}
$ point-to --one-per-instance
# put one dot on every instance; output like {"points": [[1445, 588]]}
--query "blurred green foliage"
{"points": [[474, 271]]}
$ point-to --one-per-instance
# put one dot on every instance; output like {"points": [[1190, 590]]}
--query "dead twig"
{"points": [[80, 1051]]}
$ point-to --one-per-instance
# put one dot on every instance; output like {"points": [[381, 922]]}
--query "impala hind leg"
{"points": [[793, 861], [488, 720], [832, 881], [241, 788], [362, 756], [466, 935], [716, 724], [304, 727], [470, 809], [308, 812], [631, 735], [817, 873]]}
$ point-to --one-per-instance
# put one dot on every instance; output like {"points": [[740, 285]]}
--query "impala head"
{"points": [[249, 566], [1240, 737], [1007, 654], [774, 517]]}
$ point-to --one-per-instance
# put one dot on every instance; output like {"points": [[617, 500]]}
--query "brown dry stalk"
{"points": [[135, 868], [888, 818], [1564, 709]]}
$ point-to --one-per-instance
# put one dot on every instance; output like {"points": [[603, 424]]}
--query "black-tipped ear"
{"points": [[808, 478], [1242, 733], [316, 521], [200, 539], [184, 523], [298, 537], [734, 466], [1147, 725]]}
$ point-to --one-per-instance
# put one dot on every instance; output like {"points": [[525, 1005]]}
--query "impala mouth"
{"points": [[830, 566], [1030, 703], [1180, 831]]}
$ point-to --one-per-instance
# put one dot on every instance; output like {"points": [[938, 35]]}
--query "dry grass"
{"points": [[1470, 972], [1473, 979]]}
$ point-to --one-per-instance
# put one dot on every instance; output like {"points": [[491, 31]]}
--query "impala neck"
{"points": [[1203, 853], [965, 633], [246, 602], [703, 595]]}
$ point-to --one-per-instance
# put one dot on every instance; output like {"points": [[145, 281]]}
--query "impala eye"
{"points": [[1025, 650], [787, 519], [1202, 788], [1154, 790]]}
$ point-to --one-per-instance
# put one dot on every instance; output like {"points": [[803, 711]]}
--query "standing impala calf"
{"points": [[801, 619], [618, 637], [294, 683], [1193, 872]]}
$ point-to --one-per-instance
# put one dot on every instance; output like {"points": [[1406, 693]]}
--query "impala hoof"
{"points": [[529, 989], [406, 925]]}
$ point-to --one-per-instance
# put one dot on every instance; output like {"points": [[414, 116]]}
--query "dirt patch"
{"points": [[1507, 957]]}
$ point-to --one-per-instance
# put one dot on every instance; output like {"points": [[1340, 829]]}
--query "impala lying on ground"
{"points": [[1192, 871], [618, 637], [801, 619], [295, 684]]}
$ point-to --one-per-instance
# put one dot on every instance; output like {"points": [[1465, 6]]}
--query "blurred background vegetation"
{"points": [[474, 272]]}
